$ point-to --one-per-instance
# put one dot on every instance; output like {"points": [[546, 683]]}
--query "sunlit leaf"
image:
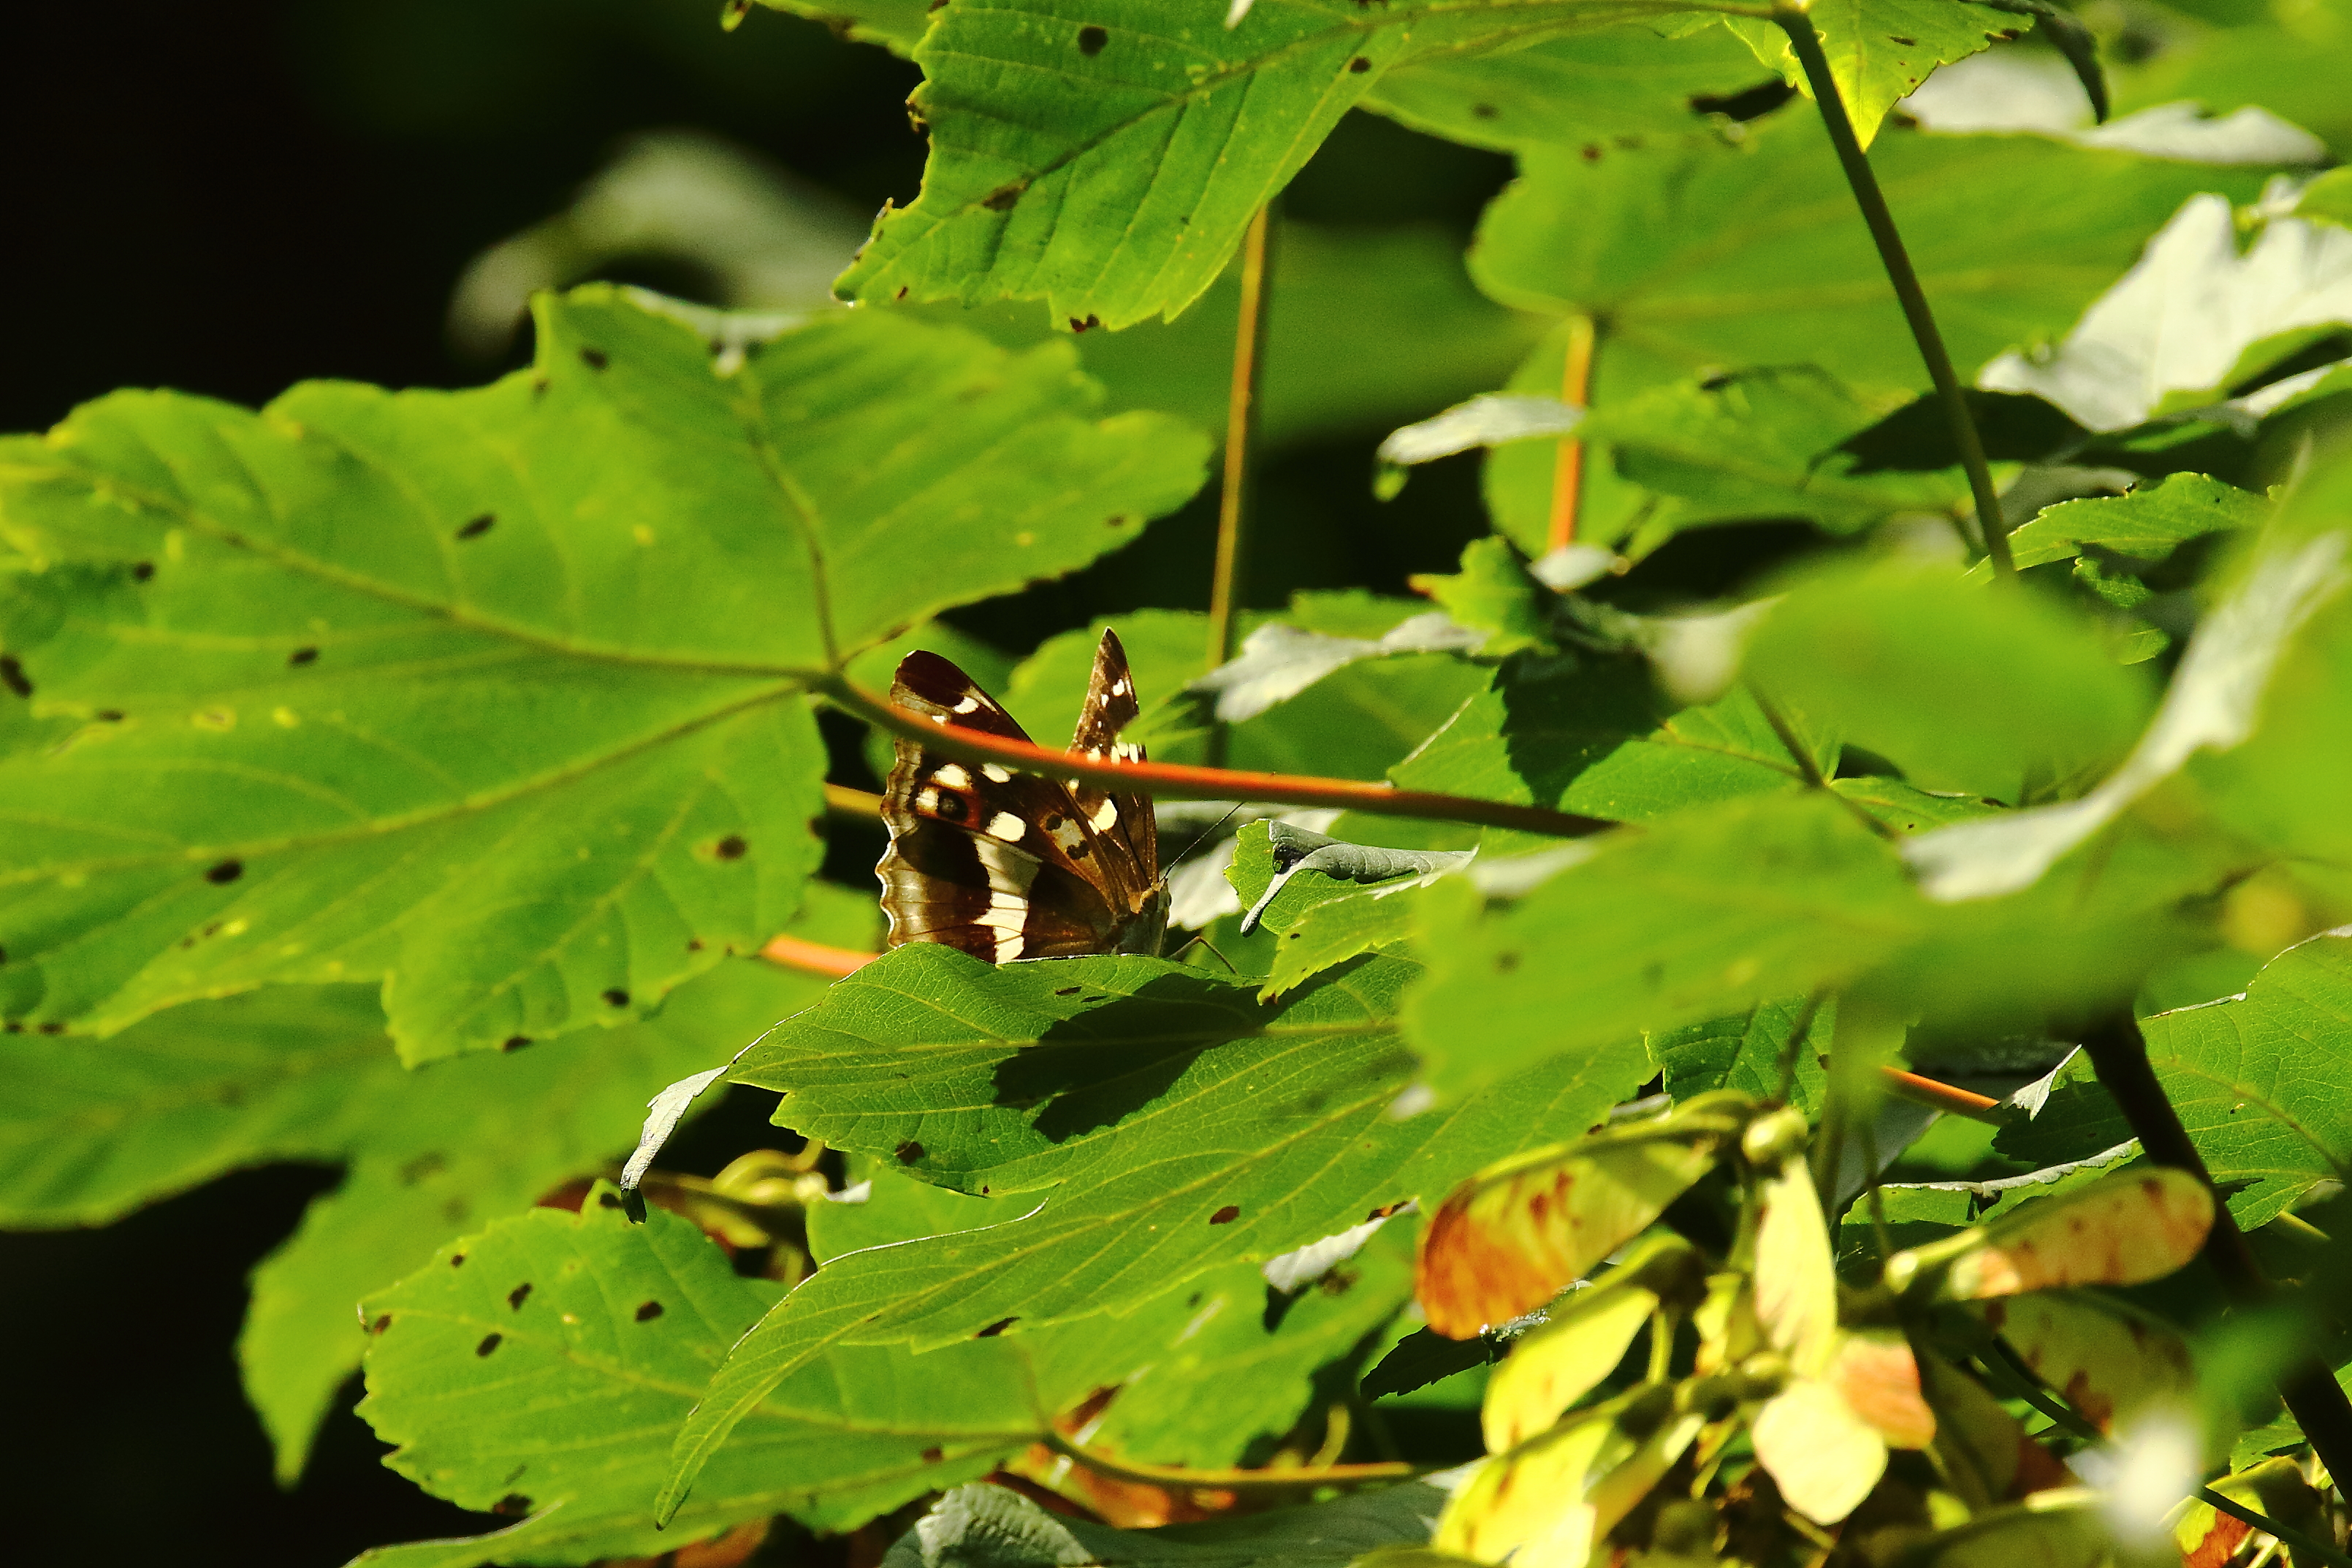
{"points": [[508, 680], [2146, 524], [1875, 1371], [1554, 1366], [1821, 1454], [1878, 50], [1795, 1283], [1533, 1499], [1518, 1233]]}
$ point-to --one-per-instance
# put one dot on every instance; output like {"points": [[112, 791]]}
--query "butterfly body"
{"points": [[1006, 864]]}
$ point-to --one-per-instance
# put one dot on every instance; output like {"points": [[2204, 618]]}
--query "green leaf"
{"points": [[507, 680], [1879, 50], [994, 1527], [536, 1368], [1967, 691], [1602, 89], [1157, 1102], [1595, 736], [2146, 525], [1106, 155], [1757, 445], [1755, 256], [896, 25], [1692, 918], [306, 1073], [1743, 1051], [1494, 592]]}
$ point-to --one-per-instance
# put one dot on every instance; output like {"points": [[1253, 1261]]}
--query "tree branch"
{"points": [[1791, 16], [1179, 780]]}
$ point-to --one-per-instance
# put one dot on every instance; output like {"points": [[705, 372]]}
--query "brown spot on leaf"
{"points": [[1358, 66], [302, 656], [226, 872], [519, 1295], [382, 1324], [595, 359], [1091, 40], [1482, 112], [12, 676], [996, 1328], [731, 847], [513, 1504], [616, 997], [648, 1311], [456, 1260], [514, 1042], [478, 526], [1227, 1216], [934, 1454], [1000, 199], [1906, 42], [141, 570], [490, 1342]]}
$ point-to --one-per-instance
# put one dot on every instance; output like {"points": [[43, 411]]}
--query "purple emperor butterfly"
{"points": [[1006, 864]]}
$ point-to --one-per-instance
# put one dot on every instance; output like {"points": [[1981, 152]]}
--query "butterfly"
{"points": [[1006, 864]]}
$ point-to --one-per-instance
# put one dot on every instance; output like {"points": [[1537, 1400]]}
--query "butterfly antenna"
{"points": [[1205, 835], [1205, 942]]}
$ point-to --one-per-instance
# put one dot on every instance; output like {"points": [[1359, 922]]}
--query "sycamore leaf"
{"points": [[1106, 155], [1732, 257], [1599, 89], [1536, 1492], [608, 1329], [1876, 1372], [1821, 1453], [1879, 50], [1125, 1085], [2122, 1229], [2109, 1362], [1743, 1051], [1595, 736], [508, 680], [1967, 691], [1557, 1363], [1517, 1234], [2146, 525], [1690, 918], [2176, 330], [1296, 850], [300, 1073], [2215, 696]]}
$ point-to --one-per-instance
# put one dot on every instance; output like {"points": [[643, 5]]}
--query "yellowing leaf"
{"points": [[2108, 1363], [2126, 1229], [1875, 1373], [1727, 1331], [1552, 1367], [1823, 1457], [2275, 1489], [1796, 1281], [1515, 1235], [1546, 1504], [1981, 1450], [1534, 1493]]}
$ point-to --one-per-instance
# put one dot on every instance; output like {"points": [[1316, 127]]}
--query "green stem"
{"points": [[1793, 20], [1230, 582]]}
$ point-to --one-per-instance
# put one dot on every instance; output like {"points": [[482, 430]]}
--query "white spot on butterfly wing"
{"points": [[971, 704], [995, 774], [952, 776], [928, 801], [1105, 815], [1007, 827]]}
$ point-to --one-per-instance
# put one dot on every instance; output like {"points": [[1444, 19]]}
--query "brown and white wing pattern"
{"points": [[1123, 831], [980, 857]]}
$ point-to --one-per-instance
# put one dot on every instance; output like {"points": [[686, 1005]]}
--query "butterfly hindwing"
{"points": [[1004, 865]]}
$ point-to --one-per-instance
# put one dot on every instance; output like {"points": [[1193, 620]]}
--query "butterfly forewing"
{"points": [[1004, 864]]}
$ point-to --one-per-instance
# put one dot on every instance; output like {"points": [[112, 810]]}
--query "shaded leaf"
{"points": [[1518, 1233], [1743, 1051], [507, 679], [1295, 850]]}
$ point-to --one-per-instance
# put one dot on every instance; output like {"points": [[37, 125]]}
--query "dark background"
{"points": [[230, 196]]}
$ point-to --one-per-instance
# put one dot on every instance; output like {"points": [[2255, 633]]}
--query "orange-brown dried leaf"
{"points": [[1513, 1236]]}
